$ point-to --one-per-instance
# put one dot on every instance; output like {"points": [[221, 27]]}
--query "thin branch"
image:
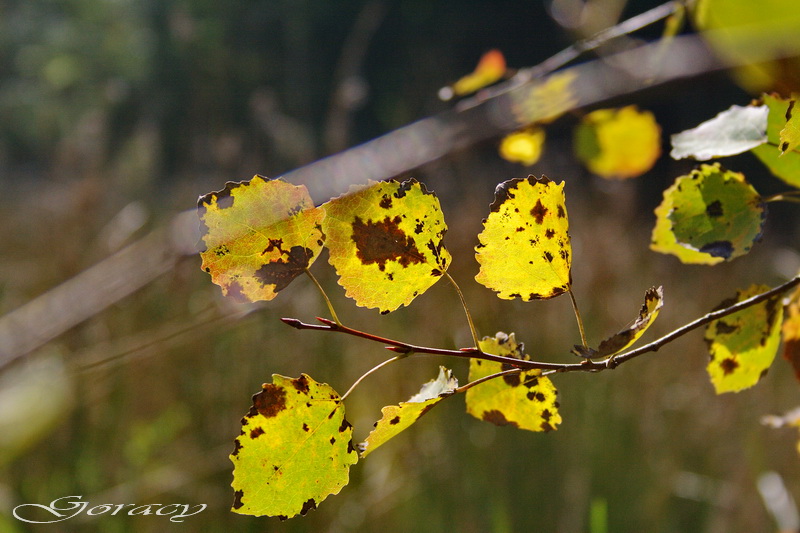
{"points": [[475, 336], [478, 381], [578, 318], [370, 371]]}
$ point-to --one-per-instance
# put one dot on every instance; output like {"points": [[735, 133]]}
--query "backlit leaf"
{"points": [[653, 300], [385, 242], [743, 345], [716, 211], [785, 166], [618, 143], [294, 450], [259, 236], [790, 332], [731, 132], [546, 101], [491, 68], [790, 134], [524, 249], [397, 418], [524, 147]]}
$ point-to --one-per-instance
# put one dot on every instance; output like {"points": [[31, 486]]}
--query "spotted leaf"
{"points": [[385, 242], [783, 164], [653, 300], [259, 236], [618, 143], [397, 418], [715, 211], [526, 400], [524, 249], [733, 131], [743, 345], [790, 134], [295, 449]]}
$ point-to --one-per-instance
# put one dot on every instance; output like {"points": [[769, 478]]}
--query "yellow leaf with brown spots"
{"points": [[526, 400], [295, 449], [259, 236], [524, 249], [385, 241], [397, 418], [743, 345]]}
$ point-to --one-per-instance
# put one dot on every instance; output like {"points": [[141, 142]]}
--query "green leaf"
{"points": [[524, 249], [526, 400], [259, 236], [731, 132], [294, 450], [385, 242], [715, 211], [743, 345], [653, 301], [397, 418], [783, 165], [618, 143]]}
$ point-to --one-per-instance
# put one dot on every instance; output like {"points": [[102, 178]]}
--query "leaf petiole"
{"points": [[473, 331], [325, 297], [371, 370], [578, 318]]}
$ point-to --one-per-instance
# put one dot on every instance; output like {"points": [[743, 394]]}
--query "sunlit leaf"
{"points": [[491, 69], [526, 400], [618, 143], [385, 242], [524, 147], [790, 332], [790, 134], [790, 419], [397, 418], [743, 345], [653, 300], [785, 166], [294, 450], [731, 132], [259, 236], [524, 249], [716, 211], [546, 101]]}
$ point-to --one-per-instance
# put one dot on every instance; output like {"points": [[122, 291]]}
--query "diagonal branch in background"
{"points": [[494, 112]]}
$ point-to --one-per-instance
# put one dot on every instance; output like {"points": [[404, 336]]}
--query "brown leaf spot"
{"points": [[308, 505], [546, 427], [379, 242], [236, 447], [539, 211], [546, 414], [386, 201], [301, 384], [549, 233], [714, 209], [280, 273], [548, 256], [723, 328], [221, 250], [512, 379], [333, 440], [305, 427], [237, 499], [561, 212], [497, 418], [345, 426], [728, 365], [270, 401], [394, 420], [256, 432]]}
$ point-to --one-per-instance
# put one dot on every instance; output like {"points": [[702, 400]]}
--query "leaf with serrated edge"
{"points": [[786, 165], [259, 235], [716, 211], [733, 131], [385, 241], [743, 345], [295, 449], [526, 400], [397, 418], [524, 249], [653, 300]]}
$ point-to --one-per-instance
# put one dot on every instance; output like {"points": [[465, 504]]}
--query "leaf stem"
{"points": [[478, 381], [788, 196], [371, 370], [475, 337], [325, 297], [578, 318]]}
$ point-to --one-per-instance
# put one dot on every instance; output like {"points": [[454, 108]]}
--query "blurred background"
{"points": [[125, 372]]}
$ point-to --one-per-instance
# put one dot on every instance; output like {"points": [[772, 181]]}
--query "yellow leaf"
{"points": [[618, 143], [523, 147], [546, 101], [491, 68], [790, 332], [790, 134], [526, 400], [259, 235], [385, 242], [524, 249]]}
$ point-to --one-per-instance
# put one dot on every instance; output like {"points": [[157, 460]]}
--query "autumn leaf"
{"points": [[524, 249], [733, 131], [524, 147], [546, 101], [397, 418], [259, 236], [618, 143], [491, 69], [385, 242], [790, 333], [526, 400], [783, 164], [743, 345], [295, 449]]}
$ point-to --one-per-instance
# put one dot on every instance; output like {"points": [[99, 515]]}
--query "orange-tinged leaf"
{"points": [[259, 235], [743, 345], [526, 400], [523, 147], [491, 69], [294, 450], [618, 143], [385, 242], [397, 418], [524, 249]]}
